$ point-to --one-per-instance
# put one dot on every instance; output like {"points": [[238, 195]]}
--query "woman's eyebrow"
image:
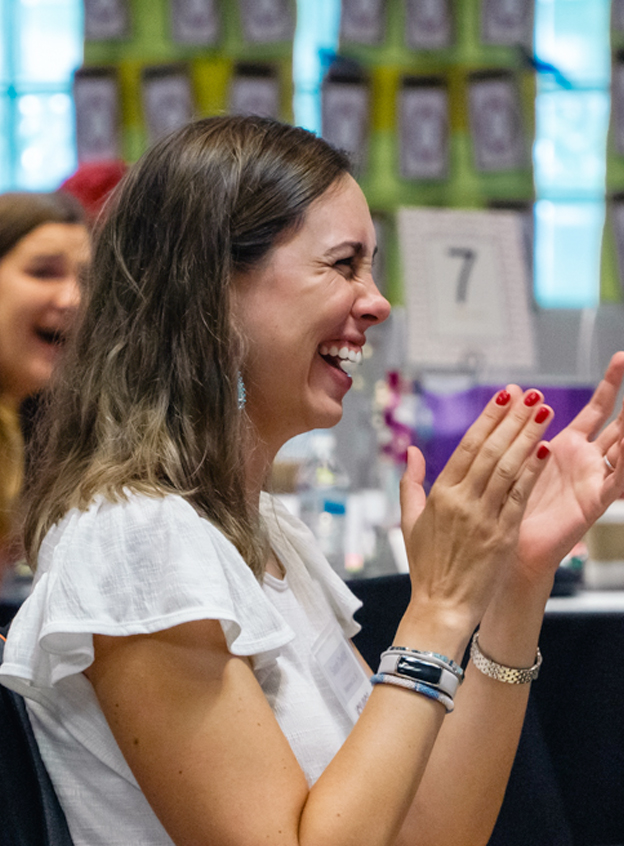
{"points": [[357, 247]]}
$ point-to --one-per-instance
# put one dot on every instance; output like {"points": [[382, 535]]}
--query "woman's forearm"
{"points": [[473, 755]]}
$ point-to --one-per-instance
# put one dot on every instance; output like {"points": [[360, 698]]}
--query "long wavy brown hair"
{"points": [[146, 400], [21, 212]]}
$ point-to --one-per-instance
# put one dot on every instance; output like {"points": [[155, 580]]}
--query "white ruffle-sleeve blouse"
{"points": [[142, 565]]}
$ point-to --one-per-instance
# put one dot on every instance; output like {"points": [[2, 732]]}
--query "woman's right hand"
{"points": [[461, 535]]}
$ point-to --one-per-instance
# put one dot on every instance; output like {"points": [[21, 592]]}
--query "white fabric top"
{"points": [[147, 564]]}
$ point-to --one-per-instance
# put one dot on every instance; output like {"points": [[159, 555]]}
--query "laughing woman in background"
{"points": [[44, 244]]}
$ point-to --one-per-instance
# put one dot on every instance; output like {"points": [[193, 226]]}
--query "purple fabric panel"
{"points": [[453, 414]]}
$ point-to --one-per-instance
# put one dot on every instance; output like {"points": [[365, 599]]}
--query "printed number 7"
{"points": [[468, 257]]}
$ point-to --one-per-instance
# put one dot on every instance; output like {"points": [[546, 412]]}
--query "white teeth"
{"points": [[348, 359]]}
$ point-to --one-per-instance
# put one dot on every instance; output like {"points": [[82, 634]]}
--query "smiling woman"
{"points": [[44, 245], [185, 649]]}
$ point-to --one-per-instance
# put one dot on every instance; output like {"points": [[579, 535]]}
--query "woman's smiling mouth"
{"points": [[53, 337], [341, 357]]}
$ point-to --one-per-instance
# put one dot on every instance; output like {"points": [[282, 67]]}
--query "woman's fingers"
{"points": [[472, 443], [614, 478], [515, 502], [493, 451], [601, 405], [412, 492], [515, 446]]}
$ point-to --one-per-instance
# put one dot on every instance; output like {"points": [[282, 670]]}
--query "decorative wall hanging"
{"points": [[423, 134], [167, 99], [106, 19], [96, 100], [195, 22]]}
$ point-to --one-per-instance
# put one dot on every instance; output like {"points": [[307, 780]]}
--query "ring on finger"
{"points": [[610, 466]]}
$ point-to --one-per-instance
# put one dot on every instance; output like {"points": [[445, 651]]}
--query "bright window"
{"points": [[572, 116], [40, 46]]}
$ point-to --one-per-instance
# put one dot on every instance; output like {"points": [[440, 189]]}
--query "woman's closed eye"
{"points": [[51, 269], [347, 265]]}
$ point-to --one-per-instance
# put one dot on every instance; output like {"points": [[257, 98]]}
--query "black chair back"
{"points": [[30, 813]]}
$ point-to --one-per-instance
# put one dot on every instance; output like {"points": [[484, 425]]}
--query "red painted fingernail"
{"points": [[503, 398], [543, 452], [531, 398], [542, 414]]}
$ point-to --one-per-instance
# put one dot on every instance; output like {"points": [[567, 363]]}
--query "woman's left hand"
{"points": [[577, 485]]}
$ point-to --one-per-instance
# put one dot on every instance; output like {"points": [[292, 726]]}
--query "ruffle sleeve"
{"points": [[310, 574], [137, 566]]}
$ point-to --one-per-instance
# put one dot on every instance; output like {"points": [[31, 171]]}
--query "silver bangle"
{"points": [[419, 669], [499, 672]]}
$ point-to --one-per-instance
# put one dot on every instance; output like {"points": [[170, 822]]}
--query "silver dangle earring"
{"points": [[242, 393]]}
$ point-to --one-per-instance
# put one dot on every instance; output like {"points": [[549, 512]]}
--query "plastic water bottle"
{"points": [[323, 488]]}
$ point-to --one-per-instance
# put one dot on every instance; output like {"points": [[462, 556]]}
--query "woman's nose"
{"points": [[68, 293], [371, 305]]}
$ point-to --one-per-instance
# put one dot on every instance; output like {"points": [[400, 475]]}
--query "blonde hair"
{"points": [[147, 397], [11, 470]]}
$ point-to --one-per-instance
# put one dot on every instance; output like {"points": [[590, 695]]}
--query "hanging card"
{"points": [[254, 90], [380, 261], [345, 106], [496, 123], [167, 99], [265, 21], [429, 25], [106, 19], [423, 128], [507, 22], [617, 102], [466, 289], [617, 15], [616, 207], [362, 21], [195, 22], [96, 101]]}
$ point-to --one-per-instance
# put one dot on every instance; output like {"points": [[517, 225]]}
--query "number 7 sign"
{"points": [[467, 289]]}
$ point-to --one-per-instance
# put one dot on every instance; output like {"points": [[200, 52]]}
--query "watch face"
{"points": [[419, 670]]}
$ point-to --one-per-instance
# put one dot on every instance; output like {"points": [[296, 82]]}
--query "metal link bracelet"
{"points": [[509, 675]]}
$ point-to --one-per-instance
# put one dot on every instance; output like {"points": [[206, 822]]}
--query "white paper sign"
{"points": [[466, 289]]}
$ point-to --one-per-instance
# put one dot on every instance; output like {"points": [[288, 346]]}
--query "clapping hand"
{"points": [[578, 484], [468, 527]]}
